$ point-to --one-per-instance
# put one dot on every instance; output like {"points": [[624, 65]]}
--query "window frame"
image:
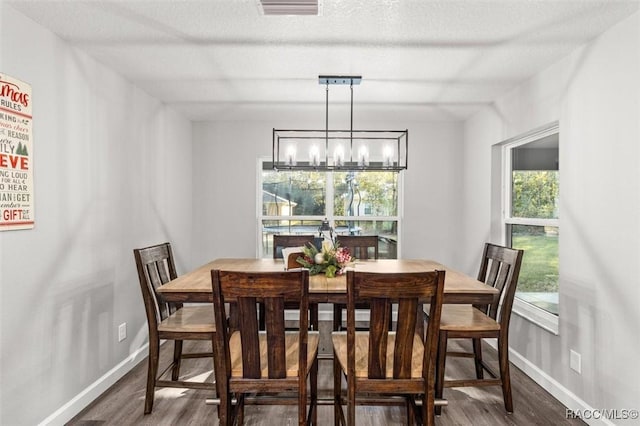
{"points": [[532, 313], [329, 209]]}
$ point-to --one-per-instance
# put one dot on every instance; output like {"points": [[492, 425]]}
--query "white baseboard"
{"points": [[551, 385], [97, 388]]}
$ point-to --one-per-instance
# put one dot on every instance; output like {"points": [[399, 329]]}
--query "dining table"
{"points": [[195, 286]]}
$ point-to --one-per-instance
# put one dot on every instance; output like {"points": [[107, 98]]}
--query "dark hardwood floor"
{"points": [[123, 403]]}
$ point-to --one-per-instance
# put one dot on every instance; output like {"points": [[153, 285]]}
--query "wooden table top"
{"points": [[195, 286]]}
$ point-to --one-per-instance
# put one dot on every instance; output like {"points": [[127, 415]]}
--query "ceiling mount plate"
{"points": [[339, 79]]}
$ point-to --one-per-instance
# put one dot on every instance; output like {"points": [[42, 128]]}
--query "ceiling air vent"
{"points": [[291, 7]]}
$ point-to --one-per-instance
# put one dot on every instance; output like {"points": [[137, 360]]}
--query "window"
{"points": [[530, 219], [355, 203]]}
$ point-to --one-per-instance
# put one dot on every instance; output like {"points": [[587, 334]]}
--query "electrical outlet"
{"points": [[122, 332], [575, 361]]}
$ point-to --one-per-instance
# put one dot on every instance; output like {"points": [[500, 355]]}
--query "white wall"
{"points": [[595, 95], [111, 172], [225, 166]]}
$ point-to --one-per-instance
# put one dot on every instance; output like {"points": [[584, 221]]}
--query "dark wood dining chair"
{"points": [[284, 241], [361, 247], [251, 363], [499, 268], [169, 321], [389, 363]]}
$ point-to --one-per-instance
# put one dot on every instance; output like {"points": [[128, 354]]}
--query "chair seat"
{"points": [[466, 318], [291, 344], [339, 339], [190, 319]]}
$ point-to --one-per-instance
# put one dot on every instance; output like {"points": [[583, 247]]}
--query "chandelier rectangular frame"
{"points": [[340, 150]]}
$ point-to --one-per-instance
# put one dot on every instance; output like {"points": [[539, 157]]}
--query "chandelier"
{"points": [[340, 150]]}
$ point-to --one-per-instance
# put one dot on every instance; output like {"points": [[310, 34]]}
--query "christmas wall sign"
{"points": [[16, 154]]}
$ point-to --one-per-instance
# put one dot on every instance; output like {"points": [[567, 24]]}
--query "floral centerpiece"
{"points": [[330, 260]]}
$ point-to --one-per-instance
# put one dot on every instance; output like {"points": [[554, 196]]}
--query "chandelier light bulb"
{"points": [[314, 156], [387, 155], [291, 156], [338, 156], [363, 156]]}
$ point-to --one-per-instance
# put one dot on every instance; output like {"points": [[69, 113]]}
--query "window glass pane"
{"points": [[365, 193], [535, 179], [298, 193], [535, 194], [386, 230], [538, 281]]}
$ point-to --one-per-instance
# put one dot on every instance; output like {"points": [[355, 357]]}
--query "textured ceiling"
{"points": [[419, 59]]}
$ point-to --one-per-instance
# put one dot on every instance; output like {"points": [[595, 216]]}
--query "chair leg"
{"points": [[152, 370], [441, 364], [351, 401], [302, 401], [337, 317], [314, 316], [428, 402], [215, 377], [503, 355], [410, 412], [177, 358], [222, 387], [240, 410], [314, 392], [224, 409], [337, 390], [477, 351]]}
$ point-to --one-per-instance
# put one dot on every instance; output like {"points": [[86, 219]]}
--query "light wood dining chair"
{"points": [[499, 268], [170, 321], [385, 363], [276, 363], [362, 247]]}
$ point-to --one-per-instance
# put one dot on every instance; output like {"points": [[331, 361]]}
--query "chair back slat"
{"points": [[273, 289], [275, 337], [378, 334], [359, 245], [153, 271], [248, 323], [405, 331], [502, 280], [163, 272], [492, 277]]}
